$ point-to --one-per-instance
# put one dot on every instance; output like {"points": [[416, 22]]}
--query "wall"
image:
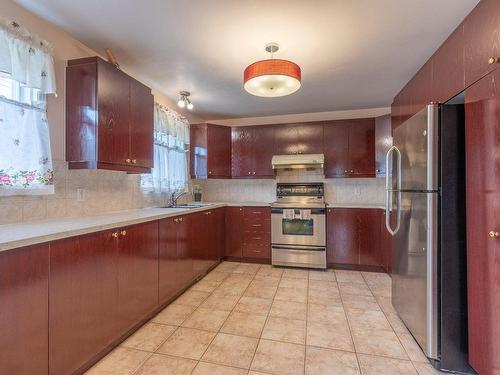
{"points": [[104, 191]]}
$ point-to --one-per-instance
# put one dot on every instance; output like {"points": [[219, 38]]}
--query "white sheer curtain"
{"points": [[26, 77], [171, 140]]}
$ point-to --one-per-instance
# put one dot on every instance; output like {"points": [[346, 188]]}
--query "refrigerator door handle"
{"points": [[388, 190]]}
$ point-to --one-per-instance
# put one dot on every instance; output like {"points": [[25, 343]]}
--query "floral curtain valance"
{"points": [[26, 58], [171, 140]]}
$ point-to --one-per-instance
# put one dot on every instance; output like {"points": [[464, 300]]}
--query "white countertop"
{"points": [[30, 233]]}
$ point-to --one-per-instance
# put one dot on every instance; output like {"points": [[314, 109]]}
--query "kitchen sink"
{"points": [[185, 205]]}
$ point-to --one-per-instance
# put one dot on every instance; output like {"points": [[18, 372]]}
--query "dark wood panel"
{"points": [[234, 232], [362, 148], [219, 151], [198, 151], [113, 104], [184, 252], [448, 75], [421, 87], [219, 230], [83, 299], [368, 226], [81, 112], [482, 118], [286, 139], [481, 40], [385, 244], [141, 124], [137, 273], [342, 236], [24, 311], [310, 138], [199, 232], [168, 279], [242, 152], [263, 151], [336, 149]]}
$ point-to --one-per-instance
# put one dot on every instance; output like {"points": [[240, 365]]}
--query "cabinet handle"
{"points": [[123, 232], [114, 234], [134, 161], [180, 219], [249, 172], [256, 225], [493, 60], [241, 209], [176, 220], [127, 160], [209, 172], [493, 233], [345, 171], [352, 171]]}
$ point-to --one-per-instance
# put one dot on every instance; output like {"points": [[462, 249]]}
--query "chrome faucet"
{"points": [[174, 198]]}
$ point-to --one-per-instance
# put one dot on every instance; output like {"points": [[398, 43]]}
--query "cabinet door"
{"points": [[386, 243], [24, 295], [342, 236], [141, 125], [168, 270], [200, 242], [113, 104], [383, 141], [234, 232], [263, 151], [137, 272], [83, 300], [481, 40], [482, 135], [198, 150], [219, 151], [336, 149], [286, 140], [362, 148], [310, 138], [368, 227], [219, 220], [185, 271], [241, 160]]}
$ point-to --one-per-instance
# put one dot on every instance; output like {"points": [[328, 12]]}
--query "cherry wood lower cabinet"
{"points": [[482, 135], [248, 233], [24, 288], [353, 238], [206, 239]]}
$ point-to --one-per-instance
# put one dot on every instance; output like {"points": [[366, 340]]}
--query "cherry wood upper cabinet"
{"points": [[252, 151], [482, 40], [482, 136], [286, 139], [109, 118], [301, 138], [83, 299], [210, 151], [349, 148], [24, 294]]}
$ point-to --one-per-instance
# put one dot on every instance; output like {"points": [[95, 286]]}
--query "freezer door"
{"points": [[414, 268], [417, 141]]}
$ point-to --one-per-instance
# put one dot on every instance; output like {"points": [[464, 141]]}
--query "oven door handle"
{"points": [[298, 248]]}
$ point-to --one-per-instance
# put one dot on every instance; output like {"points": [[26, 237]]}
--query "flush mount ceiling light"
{"points": [[184, 101], [273, 77]]}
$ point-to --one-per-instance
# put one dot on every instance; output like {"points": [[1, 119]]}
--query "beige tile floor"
{"points": [[255, 319]]}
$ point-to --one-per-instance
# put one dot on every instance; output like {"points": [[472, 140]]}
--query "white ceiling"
{"points": [[353, 53]]}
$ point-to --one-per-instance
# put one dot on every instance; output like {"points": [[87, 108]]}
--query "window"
{"points": [[171, 140], [26, 77]]}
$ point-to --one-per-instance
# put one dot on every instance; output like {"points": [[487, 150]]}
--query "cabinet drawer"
{"points": [[263, 226], [256, 237], [257, 250]]}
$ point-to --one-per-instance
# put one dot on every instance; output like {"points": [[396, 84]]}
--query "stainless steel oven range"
{"points": [[298, 225]]}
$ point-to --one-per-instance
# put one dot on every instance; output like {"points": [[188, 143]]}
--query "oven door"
{"points": [[293, 230]]}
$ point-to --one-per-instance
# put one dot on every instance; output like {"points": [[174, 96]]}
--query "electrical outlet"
{"points": [[80, 195]]}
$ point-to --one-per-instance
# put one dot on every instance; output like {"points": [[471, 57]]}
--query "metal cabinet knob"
{"points": [[176, 220], [352, 171], [345, 171], [253, 173], [127, 160], [209, 172], [123, 232], [493, 60], [134, 161], [180, 219], [378, 170], [249, 172], [114, 234], [493, 233]]}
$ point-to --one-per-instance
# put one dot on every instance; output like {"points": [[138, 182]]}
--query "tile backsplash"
{"points": [[369, 191]]}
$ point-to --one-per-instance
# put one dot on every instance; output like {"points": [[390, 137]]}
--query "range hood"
{"points": [[298, 161]]}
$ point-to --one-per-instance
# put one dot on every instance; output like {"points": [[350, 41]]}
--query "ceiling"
{"points": [[353, 54]]}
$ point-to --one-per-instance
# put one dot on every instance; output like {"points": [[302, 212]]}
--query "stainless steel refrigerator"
{"points": [[413, 195], [425, 213]]}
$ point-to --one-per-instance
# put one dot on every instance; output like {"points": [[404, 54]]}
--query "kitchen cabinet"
{"points": [[210, 151], [353, 237], [481, 41], [303, 138], [482, 142], [252, 151], [175, 256], [137, 272], [109, 118], [207, 239], [101, 286], [234, 232], [83, 299], [256, 232], [383, 142], [24, 284], [349, 148]]}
